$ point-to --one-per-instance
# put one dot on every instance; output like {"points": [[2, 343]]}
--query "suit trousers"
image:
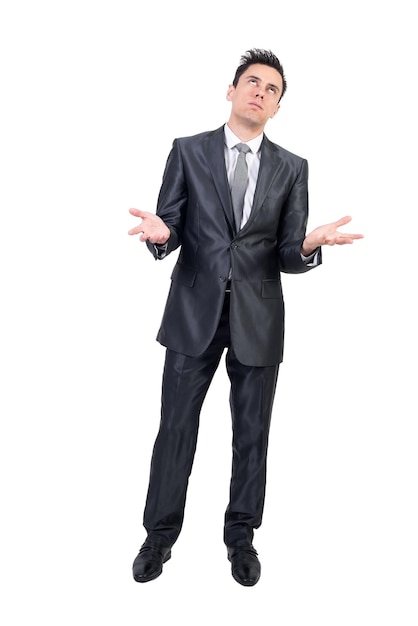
{"points": [[186, 381]]}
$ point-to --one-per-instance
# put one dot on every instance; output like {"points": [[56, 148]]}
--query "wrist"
{"points": [[165, 237], [307, 250]]}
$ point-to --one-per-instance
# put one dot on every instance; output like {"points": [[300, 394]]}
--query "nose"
{"points": [[260, 93]]}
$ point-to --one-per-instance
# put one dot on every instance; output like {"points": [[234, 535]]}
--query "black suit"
{"points": [[200, 320]]}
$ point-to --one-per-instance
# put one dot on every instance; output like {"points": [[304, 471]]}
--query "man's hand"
{"points": [[151, 228], [328, 235]]}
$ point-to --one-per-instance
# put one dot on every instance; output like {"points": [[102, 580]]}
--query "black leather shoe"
{"points": [[149, 562], [245, 566]]}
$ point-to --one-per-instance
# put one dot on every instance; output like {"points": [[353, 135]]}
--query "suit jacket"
{"points": [[195, 203]]}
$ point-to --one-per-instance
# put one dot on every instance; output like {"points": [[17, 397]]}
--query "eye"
{"points": [[272, 89]]}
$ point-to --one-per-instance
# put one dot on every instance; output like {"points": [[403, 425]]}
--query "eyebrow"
{"points": [[268, 84]]}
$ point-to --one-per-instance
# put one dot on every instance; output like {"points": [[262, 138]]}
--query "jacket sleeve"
{"points": [[293, 222], [172, 202]]}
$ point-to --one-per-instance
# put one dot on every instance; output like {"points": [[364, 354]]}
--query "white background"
{"points": [[93, 93]]}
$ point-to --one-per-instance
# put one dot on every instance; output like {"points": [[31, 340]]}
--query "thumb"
{"points": [[343, 220], [137, 212]]}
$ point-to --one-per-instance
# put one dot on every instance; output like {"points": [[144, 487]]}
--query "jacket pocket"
{"points": [[271, 288], [184, 275]]}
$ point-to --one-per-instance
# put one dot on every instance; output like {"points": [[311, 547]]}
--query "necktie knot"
{"points": [[243, 147]]}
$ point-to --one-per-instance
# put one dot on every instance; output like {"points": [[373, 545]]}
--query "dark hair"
{"points": [[264, 57]]}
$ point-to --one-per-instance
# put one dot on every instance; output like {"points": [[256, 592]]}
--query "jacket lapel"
{"points": [[214, 152], [269, 168]]}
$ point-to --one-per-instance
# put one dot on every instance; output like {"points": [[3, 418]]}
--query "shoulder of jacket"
{"points": [[198, 137], [285, 154]]}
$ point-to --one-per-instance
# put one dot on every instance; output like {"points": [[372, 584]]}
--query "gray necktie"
{"points": [[239, 183]]}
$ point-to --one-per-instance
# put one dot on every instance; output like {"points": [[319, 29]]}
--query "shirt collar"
{"points": [[231, 140]]}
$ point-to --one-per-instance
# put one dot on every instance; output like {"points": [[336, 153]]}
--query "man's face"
{"points": [[256, 96]]}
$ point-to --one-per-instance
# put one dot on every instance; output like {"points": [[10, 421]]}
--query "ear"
{"points": [[230, 92], [275, 111]]}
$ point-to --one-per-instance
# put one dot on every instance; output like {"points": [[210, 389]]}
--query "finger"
{"points": [[341, 241], [343, 220], [136, 230], [346, 238], [338, 239], [351, 235], [137, 212]]}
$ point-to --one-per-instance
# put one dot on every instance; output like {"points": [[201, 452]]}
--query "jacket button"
{"points": [[222, 278]]}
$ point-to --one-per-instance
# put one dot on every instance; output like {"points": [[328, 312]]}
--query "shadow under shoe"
{"points": [[148, 565]]}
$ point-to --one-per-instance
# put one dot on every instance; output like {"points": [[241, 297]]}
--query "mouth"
{"points": [[256, 105]]}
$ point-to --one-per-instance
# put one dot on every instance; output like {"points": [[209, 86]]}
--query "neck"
{"points": [[243, 131]]}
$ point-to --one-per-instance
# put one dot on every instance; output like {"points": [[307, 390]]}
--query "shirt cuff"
{"points": [[312, 259], [160, 250]]}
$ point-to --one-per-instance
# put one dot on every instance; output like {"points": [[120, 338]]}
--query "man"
{"points": [[226, 294]]}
